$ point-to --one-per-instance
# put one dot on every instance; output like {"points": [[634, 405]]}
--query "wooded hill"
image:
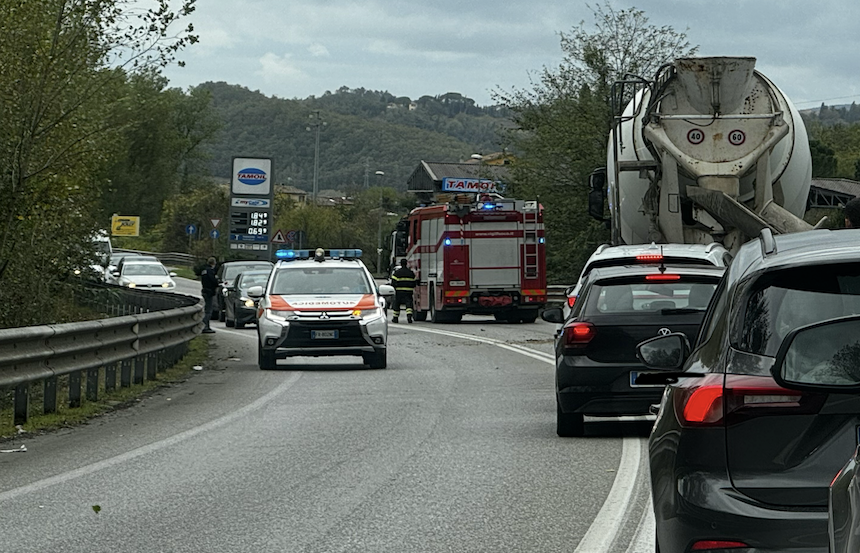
{"points": [[364, 131]]}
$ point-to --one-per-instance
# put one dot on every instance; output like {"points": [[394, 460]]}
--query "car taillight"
{"points": [[571, 300], [708, 401], [577, 335], [649, 257], [708, 545]]}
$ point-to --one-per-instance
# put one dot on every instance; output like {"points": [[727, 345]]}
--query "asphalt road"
{"points": [[452, 448]]}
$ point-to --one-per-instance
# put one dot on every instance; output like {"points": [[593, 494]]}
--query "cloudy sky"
{"points": [[298, 48]]}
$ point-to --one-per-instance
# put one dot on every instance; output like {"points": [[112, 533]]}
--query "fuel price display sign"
{"points": [[251, 194]]}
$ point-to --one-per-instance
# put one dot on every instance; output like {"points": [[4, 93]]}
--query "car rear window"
{"points": [[781, 301], [320, 280], [634, 297], [230, 271]]}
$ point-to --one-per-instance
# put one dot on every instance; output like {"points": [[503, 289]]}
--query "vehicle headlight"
{"points": [[248, 302], [131, 285], [165, 285], [367, 313], [275, 314]]}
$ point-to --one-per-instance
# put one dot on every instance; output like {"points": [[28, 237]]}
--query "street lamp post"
{"points": [[379, 174]]}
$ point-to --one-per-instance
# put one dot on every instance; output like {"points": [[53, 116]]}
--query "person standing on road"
{"points": [[210, 286], [403, 280], [852, 213]]}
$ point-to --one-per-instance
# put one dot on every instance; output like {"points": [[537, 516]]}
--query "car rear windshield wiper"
{"points": [[681, 310]]}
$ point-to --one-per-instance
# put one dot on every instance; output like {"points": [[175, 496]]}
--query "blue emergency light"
{"points": [[345, 254], [289, 255], [447, 241]]}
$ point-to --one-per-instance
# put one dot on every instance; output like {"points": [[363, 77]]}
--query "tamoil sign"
{"points": [[252, 176], [450, 184], [251, 194]]}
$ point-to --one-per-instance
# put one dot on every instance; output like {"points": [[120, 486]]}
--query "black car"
{"points": [[738, 461], [619, 307], [239, 308], [825, 357], [225, 274]]}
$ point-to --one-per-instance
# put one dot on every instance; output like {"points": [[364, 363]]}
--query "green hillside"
{"points": [[364, 132]]}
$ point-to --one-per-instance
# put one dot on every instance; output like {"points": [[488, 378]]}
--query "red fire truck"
{"points": [[482, 257]]}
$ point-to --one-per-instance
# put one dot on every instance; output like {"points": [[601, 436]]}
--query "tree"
{"points": [[62, 65], [562, 123]]}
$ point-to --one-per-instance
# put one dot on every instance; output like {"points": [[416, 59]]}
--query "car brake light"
{"points": [[649, 257], [662, 277], [571, 300], [706, 545], [578, 334], [707, 401]]}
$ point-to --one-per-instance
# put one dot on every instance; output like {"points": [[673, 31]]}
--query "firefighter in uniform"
{"points": [[403, 280]]}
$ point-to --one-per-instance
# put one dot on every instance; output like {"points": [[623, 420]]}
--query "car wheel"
{"points": [[266, 359], [501, 317], [376, 360], [222, 316], [569, 425], [529, 318], [420, 316], [240, 325], [435, 316]]}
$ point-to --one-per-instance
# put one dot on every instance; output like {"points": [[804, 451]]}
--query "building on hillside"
{"points": [[332, 198], [431, 179], [296, 194], [831, 193]]}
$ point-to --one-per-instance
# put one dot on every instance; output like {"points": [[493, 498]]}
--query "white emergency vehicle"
{"points": [[321, 303]]}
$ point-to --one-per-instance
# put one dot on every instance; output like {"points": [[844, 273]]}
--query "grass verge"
{"points": [[120, 398]]}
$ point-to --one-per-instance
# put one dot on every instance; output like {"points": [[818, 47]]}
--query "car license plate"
{"points": [[633, 375], [324, 334]]}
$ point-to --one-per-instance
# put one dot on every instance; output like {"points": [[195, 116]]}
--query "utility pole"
{"points": [[317, 124], [380, 174]]}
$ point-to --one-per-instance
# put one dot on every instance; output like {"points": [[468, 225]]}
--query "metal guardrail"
{"points": [[169, 258], [149, 334], [555, 294]]}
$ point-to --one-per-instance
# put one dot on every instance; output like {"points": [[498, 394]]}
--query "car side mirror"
{"points": [[823, 357], [115, 273], [553, 315], [386, 290], [255, 292], [664, 352], [172, 274]]}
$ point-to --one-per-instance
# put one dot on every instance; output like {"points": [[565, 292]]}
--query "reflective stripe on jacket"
{"points": [[403, 279]]}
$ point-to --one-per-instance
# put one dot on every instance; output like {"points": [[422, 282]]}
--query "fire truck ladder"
{"points": [[531, 240]]}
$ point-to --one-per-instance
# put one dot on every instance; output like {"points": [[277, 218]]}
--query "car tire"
{"points": [[528, 317], [569, 425], [376, 360], [230, 323], [266, 359], [420, 316], [222, 316], [240, 325]]}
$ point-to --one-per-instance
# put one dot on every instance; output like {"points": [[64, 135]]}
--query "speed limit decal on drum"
{"points": [[696, 136], [737, 137]]}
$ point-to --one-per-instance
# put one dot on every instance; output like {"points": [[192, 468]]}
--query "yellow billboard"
{"points": [[125, 225]]}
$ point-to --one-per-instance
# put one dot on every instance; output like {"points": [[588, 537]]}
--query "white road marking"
{"points": [[606, 525], [153, 447], [528, 352], [609, 520], [643, 540]]}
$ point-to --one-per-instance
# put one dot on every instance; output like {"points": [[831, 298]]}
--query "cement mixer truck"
{"points": [[709, 151]]}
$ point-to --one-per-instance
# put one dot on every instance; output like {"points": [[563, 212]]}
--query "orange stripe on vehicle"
{"points": [[278, 303]]}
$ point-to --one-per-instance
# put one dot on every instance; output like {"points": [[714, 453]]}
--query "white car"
{"points": [[636, 254], [319, 303], [147, 274]]}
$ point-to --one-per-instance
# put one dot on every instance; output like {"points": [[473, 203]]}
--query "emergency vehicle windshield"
{"points": [[320, 280]]}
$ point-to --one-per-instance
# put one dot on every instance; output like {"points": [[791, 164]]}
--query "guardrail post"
{"points": [[110, 377], [22, 403], [139, 363], [49, 398], [93, 384], [75, 389], [125, 373], [151, 366]]}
